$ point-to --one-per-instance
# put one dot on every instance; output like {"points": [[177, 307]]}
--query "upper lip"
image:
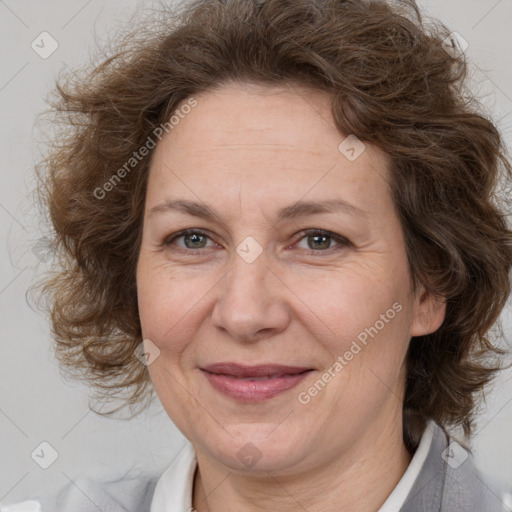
{"points": [[263, 370]]}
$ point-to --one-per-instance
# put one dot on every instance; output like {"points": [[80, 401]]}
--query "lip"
{"points": [[254, 383]]}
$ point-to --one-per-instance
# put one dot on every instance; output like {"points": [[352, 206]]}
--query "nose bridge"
{"points": [[249, 301]]}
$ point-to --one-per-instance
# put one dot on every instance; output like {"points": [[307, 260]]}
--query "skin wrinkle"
{"points": [[287, 307]]}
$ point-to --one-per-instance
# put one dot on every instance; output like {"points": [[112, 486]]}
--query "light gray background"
{"points": [[36, 403]]}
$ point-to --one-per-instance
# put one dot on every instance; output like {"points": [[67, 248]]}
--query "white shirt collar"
{"points": [[173, 492], [397, 498]]}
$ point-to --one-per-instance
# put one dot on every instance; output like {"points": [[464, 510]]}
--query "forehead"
{"points": [[233, 113], [264, 139]]}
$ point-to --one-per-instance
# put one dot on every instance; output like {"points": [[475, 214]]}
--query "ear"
{"points": [[428, 314]]}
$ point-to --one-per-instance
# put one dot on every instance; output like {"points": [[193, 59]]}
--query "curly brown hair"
{"points": [[393, 82]]}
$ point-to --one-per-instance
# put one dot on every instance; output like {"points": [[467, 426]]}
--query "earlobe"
{"points": [[429, 313]]}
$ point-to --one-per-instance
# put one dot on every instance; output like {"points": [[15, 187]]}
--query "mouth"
{"points": [[254, 383]]}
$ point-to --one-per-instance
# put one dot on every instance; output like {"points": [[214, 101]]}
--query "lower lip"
{"points": [[253, 390]]}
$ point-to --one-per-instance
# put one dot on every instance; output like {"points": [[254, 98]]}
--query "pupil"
{"points": [[321, 246], [195, 238]]}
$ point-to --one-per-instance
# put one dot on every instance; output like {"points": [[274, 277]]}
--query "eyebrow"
{"points": [[298, 209]]}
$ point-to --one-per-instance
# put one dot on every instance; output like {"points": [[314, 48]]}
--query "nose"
{"points": [[251, 301]]}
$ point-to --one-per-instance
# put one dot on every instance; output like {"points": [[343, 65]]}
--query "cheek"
{"points": [[153, 300], [363, 325], [166, 310], [163, 298], [349, 301], [172, 308]]}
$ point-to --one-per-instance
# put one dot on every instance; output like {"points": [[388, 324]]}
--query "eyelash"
{"points": [[342, 242]]}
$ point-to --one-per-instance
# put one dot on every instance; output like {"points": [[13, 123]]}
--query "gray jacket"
{"points": [[447, 482]]}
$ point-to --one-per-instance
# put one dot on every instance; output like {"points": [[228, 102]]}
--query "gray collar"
{"points": [[450, 482]]}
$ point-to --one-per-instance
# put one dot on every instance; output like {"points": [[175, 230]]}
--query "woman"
{"points": [[281, 215]]}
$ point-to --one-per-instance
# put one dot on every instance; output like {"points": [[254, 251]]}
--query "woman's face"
{"points": [[254, 170]]}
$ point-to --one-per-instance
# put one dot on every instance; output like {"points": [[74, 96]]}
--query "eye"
{"points": [[192, 239], [319, 240]]}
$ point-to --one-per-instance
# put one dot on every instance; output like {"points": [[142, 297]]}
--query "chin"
{"points": [[258, 447]]}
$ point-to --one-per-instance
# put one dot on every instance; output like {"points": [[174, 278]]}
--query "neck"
{"points": [[360, 479]]}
